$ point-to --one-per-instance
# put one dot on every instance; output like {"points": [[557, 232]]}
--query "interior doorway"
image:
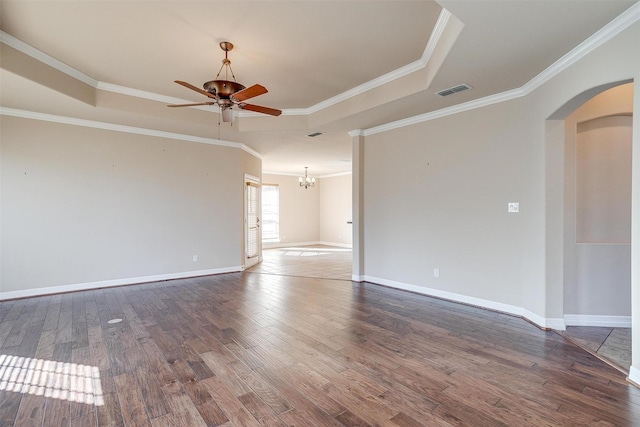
{"points": [[252, 232], [596, 277], [307, 232]]}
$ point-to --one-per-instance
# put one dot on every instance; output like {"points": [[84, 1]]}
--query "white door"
{"points": [[252, 232]]}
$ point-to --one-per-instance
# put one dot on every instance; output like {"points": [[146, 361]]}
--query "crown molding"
{"points": [[454, 109], [436, 33], [4, 111], [332, 175], [337, 174], [249, 150], [123, 90], [421, 63], [280, 173], [606, 33], [49, 60], [597, 39]]}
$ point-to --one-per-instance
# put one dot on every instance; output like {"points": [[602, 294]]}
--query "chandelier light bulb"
{"points": [[306, 182]]}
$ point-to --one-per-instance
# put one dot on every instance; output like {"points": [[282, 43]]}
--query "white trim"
{"points": [[331, 175], [280, 173], [434, 38], [123, 90], [454, 109], [5, 111], [38, 55], [249, 150], [546, 323], [356, 278], [116, 282], [597, 320], [405, 70], [506, 308], [253, 179], [464, 299], [606, 33], [334, 175], [634, 376], [597, 39]]}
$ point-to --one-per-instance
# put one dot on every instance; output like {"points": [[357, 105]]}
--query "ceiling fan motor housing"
{"points": [[223, 88]]}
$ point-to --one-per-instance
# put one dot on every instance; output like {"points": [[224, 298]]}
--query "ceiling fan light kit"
{"points": [[227, 93]]}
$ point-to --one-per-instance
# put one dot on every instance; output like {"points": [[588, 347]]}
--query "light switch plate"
{"points": [[513, 207]]}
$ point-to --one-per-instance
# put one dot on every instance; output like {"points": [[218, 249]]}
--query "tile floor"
{"points": [[611, 344], [327, 262]]}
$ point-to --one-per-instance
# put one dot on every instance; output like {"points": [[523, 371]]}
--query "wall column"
{"points": [[553, 314], [634, 371], [357, 162]]}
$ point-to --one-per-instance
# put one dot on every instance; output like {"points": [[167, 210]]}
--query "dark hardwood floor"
{"points": [[250, 349]]}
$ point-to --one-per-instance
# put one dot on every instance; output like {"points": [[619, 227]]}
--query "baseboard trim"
{"points": [[337, 245], [544, 323], [634, 376], [111, 283], [513, 310], [596, 320]]}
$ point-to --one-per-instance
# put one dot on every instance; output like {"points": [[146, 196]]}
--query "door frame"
{"points": [[251, 181]]}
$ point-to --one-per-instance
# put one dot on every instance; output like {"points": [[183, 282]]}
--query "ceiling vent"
{"points": [[314, 134], [452, 90]]}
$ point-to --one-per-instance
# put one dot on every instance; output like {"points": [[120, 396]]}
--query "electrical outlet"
{"points": [[195, 258], [513, 207], [436, 272]]}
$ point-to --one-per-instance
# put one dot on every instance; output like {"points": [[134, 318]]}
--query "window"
{"points": [[270, 213], [252, 220]]}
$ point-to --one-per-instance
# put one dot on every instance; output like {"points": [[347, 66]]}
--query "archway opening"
{"points": [[594, 131]]}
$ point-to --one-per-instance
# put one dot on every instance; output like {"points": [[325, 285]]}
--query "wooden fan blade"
{"points": [[249, 92], [197, 89], [260, 109], [191, 105]]}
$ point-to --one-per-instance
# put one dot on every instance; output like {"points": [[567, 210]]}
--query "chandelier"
{"points": [[305, 181]]}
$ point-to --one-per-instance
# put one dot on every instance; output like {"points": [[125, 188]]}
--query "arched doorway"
{"points": [[592, 134]]}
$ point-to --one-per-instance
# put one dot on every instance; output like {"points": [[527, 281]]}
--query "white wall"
{"points": [[83, 206], [436, 194], [299, 210], [597, 277], [603, 180], [316, 215]]}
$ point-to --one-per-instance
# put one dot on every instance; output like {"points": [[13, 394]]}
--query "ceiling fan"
{"points": [[226, 93]]}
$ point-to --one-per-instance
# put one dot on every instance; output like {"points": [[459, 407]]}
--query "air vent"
{"points": [[453, 90], [314, 134]]}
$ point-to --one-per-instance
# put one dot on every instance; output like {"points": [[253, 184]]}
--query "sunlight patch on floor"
{"points": [[303, 253], [48, 378], [312, 249]]}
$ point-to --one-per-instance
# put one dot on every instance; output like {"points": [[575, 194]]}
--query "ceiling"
{"points": [[331, 66]]}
